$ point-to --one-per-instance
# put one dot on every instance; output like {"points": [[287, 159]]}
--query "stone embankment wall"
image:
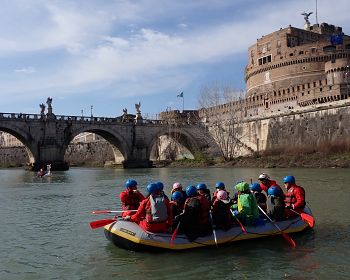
{"points": [[315, 128], [93, 153], [13, 156]]}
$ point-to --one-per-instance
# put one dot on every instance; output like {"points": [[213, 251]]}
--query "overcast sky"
{"points": [[112, 54]]}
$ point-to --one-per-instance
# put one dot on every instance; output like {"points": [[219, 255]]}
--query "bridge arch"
{"points": [[25, 138], [116, 141], [182, 136]]}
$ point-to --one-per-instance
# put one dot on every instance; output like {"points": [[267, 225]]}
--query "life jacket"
{"points": [[176, 209], [192, 213], [261, 200], [290, 197], [156, 209], [130, 200], [247, 206], [266, 187], [275, 207]]}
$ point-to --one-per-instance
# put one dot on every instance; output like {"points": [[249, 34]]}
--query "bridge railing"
{"points": [[119, 120]]}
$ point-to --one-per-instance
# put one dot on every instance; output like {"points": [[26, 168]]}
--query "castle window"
{"points": [[303, 87], [302, 94], [291, 54], [320, 89], [288, 90], [320, 83], [298, 88], [278, 43], [301, 52], [314, 84], [308, 85]]}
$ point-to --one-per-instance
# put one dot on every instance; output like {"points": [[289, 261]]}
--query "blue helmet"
{"points": [[160, 186], [152, 188], [255, 187], [219, 185], [201, 186], [289, 179], [191, 191], [176, 196], [130, 183], [274, 190]]}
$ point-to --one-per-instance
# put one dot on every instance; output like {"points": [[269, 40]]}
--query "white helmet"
{"points": [[264, 176]]}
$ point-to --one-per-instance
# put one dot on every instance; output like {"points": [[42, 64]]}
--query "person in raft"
{"points": [[204, 191], [130, 197], [195, 217], [259, 196], [246, 208], [154, 213], [294, 198], [275, 204], [222, 216], [219, 186], [266, 182], [176, 206], [177, 187]]}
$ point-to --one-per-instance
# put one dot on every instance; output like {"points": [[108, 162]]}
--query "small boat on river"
{"points": [[128, 235]]}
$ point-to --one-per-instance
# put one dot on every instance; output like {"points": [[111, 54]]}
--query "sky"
{"points": [[101, 56]]}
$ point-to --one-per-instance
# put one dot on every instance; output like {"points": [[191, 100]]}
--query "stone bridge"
{"points": [[46, 137]]}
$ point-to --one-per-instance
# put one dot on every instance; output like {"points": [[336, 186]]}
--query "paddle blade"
{"points": [[101, 223], [289, 239], [308, 218], [173, 236]]}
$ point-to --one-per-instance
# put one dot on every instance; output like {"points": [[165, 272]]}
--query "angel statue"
{"points": [[306, 17], [49, 102], [137, 107], [125, 115], [42, 108]]}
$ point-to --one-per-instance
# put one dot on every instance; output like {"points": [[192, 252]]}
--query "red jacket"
{"points": [[140, 217], [266, 187], [130, 201], [295, 197]]}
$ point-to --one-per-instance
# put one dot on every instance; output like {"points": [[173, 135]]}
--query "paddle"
{"points": [[111, 211], [239, 222], [173, 236], [305, 217], [101, 223], [285, 235], [214, 232]]}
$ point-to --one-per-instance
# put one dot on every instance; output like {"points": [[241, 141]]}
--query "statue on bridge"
{"points": [[42, 109], [125, 117], [138, 118], [49, 107], [306, 17]]}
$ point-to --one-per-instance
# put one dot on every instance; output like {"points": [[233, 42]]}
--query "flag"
{"points": [[337, 39], [181, 94]]}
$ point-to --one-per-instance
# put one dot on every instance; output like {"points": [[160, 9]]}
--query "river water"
{"points": [[45, 231]]}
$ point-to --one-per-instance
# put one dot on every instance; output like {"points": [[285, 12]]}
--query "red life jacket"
{"points": [[130, 200], [295, 196], [266, 187]]}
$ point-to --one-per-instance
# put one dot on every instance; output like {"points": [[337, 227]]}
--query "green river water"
{"points": [[45, 231]]}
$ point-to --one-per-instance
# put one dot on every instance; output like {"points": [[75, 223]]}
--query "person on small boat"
{"points": [[259, 196], [294, 198], [219, 186], [222, 217], [130, 198], [161, 188], [177, 187], [203, 190], [176, 206], [154, 213], [195, 217], [246, 208], [266, 182], [275, 204], [41, 173]]}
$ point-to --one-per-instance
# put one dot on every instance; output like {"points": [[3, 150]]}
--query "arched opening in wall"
{"points": [[14, 151], [94, 148], [171, 146]]}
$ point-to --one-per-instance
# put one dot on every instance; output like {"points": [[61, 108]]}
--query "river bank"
{"points": [[312, 160]]}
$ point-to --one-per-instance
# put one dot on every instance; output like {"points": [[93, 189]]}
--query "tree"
{"points": [[222, 112]]}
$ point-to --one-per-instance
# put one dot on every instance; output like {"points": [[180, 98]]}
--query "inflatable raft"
{"points": [[130, 236]]}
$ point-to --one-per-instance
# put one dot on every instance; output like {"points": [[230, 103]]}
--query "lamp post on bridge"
{"points": [[91, 110]]}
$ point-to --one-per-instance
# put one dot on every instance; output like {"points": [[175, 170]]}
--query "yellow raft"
{"points": [[130, 236]]}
